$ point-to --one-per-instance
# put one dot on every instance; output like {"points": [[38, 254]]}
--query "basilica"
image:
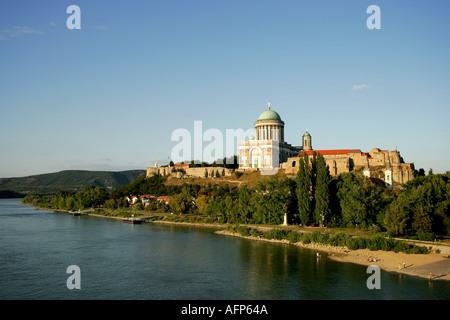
{"points": [[267, 151]]}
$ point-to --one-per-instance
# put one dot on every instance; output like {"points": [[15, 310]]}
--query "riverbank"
{"points": [[417, 265]]}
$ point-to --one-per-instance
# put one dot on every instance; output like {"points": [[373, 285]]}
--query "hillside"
{"points": [[73, 180], [246, 178]]}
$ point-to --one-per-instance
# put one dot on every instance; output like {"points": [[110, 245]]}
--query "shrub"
{"points": [[355, 243], [276, 234], [352, 243], [324, 238], [362, 242], [306, 238], [243, 231], [209, 220], [426, 236], [138, 206], [401, 247], [376, 243], [315, 236], [388, 244], [255, 233], [294, 237], [417, 250], [338, 239]]}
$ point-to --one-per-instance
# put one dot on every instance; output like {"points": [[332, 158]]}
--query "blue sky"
{"points": [[109, 96]]}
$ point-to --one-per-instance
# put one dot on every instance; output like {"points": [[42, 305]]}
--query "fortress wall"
{"points": [[337, 164], [358, 159], [380, 158], [341, 165], [402, 172], [200, 172]]}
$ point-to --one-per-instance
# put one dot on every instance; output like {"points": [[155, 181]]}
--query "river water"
{"points": [[117, 260]]}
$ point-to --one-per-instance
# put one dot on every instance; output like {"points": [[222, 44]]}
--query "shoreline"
{"points": [[416, 265]]}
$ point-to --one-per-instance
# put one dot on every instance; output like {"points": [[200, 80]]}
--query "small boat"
{"points": [[75, 213]]}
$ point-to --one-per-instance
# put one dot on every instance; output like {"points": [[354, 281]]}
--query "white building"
{"points": [[267, 149]]}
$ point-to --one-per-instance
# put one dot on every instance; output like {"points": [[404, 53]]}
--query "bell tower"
{"points": [[307, 141]]}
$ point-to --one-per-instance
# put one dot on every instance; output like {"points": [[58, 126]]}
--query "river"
{"points": [[149, 261]]}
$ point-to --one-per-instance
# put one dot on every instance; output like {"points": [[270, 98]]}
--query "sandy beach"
{"points": [[418, 265]]}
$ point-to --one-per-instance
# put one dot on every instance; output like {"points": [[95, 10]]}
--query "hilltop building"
{"points": [[269, 150]]}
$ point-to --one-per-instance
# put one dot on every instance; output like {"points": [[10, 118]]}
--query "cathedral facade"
{"points": [[268, 150]]}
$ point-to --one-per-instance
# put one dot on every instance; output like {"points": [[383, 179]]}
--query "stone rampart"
{"points": [[197, 172]]}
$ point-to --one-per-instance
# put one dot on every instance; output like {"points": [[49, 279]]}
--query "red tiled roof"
{"points": [[182, 165], [329, 152]]}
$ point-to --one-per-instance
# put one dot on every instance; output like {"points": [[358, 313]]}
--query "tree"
{"points": [[138, 206], [202, 203], [421, 221], [111, 204], [396, 219], [271, 195], [304, 189], [360, 200], [71, 204], [179, 203], [322, 192], [231, 209], [216, 207], [424, 203], [245, 208]]}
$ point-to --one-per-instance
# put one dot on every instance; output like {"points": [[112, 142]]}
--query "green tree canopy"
{"points": [[422, 206], [360, 200]]}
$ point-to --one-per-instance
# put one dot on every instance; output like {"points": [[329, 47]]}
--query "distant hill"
{"points": [[73, 180]]}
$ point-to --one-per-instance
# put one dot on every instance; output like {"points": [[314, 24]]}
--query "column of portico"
{"points": [[270, 132]]}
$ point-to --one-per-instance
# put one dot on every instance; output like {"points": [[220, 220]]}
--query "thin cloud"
{"points": [[360, 87], [25, 29], [2, 37], [19, 31]]}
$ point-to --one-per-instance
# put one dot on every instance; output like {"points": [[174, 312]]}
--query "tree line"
{"points": [[420, 209]]}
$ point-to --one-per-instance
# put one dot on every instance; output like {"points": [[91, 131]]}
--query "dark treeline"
{"points": [[419, 210], [4, 194]]}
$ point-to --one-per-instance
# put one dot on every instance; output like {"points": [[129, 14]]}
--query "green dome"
{"points": [[307, 134], [269, 115]]}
